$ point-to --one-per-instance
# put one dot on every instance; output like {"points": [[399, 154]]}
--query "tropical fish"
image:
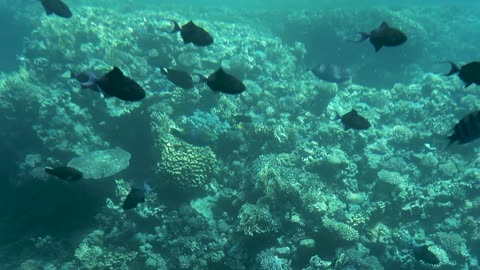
{"points": [[115, 84], [65, 173], [191, 33], [56, 7], [354, 121], [199, 136], [331, 73], [180, 78], [242, 118], [220, 81], [467, 130], [423, 253], [469, 73], [136, 196], [383, 36]]}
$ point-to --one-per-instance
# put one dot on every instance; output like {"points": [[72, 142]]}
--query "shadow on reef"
{"points": [[54, 208]]}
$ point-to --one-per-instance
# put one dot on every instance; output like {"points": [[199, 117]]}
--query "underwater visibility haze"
{"points": [[239, 135]]}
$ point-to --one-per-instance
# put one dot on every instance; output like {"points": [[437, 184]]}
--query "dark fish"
{"points": [[199, 136], [469, 73], [423, 253], [191, 33], [355, 121], [220, 81], [65, 173], [331, 73], [115, 84], [383, 36], [242, 118], [467, 130], [180, 78], [133, 198], [56, 7]]}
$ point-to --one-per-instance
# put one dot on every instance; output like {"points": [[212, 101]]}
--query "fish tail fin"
{"points": [[176, 26], [73, 75], [453, 68], [362, 36]]}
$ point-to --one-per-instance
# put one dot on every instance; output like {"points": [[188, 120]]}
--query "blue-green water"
{"points": [[266, 179]]}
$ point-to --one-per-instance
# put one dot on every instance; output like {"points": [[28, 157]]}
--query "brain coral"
{"points": [[187, 166]]}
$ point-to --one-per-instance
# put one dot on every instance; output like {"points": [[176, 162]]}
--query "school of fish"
{"points": [[116, 84]]}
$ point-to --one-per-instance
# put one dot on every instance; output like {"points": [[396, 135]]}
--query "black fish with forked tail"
{"points": [[115, 84], [136, 196], [467, 129], [180, 78], [424, 254], [221, 81], [56, 7], [352, 120], [469, 73], [191, 33], [65, 173], [383, 36]]}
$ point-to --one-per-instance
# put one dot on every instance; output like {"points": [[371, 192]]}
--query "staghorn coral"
{"points": [[188, 167]]}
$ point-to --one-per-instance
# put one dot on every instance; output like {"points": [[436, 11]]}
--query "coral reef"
{"points": [[271, 178], [187, 166]]}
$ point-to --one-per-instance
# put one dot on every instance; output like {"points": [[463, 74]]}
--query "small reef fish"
{"points": [[383, 36], [331, 73], [65, 173], [352, 120], [220, 81], [191, 33], [136, 196], [467, 130], [180, 78], [56, 7], [200, 136], [241, 118], [469, 73], [115, 84], [423, 253]]}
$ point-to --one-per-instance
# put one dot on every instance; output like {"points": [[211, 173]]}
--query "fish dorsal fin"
{"points": [[220, 71], [353, 111], [116, 73], [384, 25], [189, 24], [219, 74]]}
